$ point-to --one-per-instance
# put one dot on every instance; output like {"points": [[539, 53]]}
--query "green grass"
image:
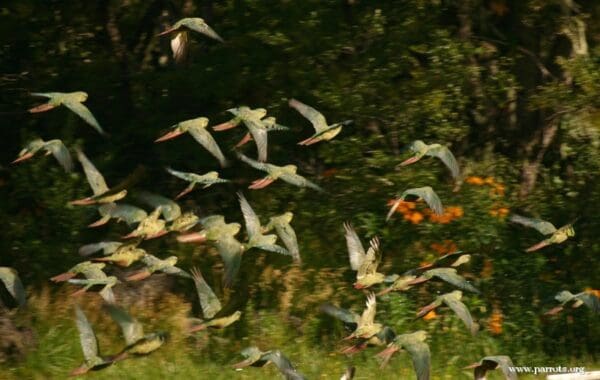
{"points": [[210, 355]]}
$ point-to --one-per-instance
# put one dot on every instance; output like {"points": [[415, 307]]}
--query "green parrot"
{"points": [[207, 180], [10, 278], [366, 327], [54, 147], [257, 128], [102, 194], [256, 358], [222, 236], [415, 344], [256, 239], [281, 224], [589, 298], [150, 227], [137, 343], [448, 275], [350, 319], [184, 222], [420, 149], [107, 248], [197, 128], [490, 363], [211, 306], [364, 263], [557, 236], [93, 272], [93, 361], [124, 255], [323, 130], [154, 264], [71, 100], [286, 173], [121, 212], [179, 32], [426, 193], [453, 301], [169, 209]]}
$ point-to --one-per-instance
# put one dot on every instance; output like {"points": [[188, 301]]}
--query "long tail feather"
{"points": [[63, 277], [41, 108]]}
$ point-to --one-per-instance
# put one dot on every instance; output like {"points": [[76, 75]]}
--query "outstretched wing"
{"points": [[545, 228], [259, 134], [250, 217], [288, 236], [590, 300], [94, 178], [61, 153], [450, 276], [231, 252], [83, 112], [132, 329], [284, 365], [368, 315], [444, 154], [255, 164], [107, 246], [169, 208], [208, 300], [429, 196], [343, 315], [87, 338], [13, 284], [462, 312], [421, 358], [315, 117], [504, 363], [298, 180], [205, 139], [198, 25], [356, 251]]}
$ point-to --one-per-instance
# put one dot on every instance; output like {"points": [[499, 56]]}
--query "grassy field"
{"points": [[210, 355]]}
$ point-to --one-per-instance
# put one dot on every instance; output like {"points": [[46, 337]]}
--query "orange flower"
{"points": [[446, 246], [430, 315], [416, 217], [593, 291], [488, 269], [495, 323], [499, 189], [489, 180], [330, 172], [475, 180], [455, 211]]}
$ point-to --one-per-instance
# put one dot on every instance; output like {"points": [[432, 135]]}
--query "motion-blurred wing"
{"points": [[89, 344], [288, 236], [231, 252], [259, 135], [315, 117], [94, 178], [208, 300], [61, 153], [205, 139], [450, 276], [198, 25], [170, 209], [444, 154], [462, 312], [356, 251], [430, 197], [83, 112], [298, 180], [546, 228], [421, 358], [250, 217], [107, 247], [13, 284], [343, 315], [132, 329]]}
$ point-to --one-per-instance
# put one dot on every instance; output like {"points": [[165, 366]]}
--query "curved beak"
{"points": [[168, 136], [24, 157]]}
